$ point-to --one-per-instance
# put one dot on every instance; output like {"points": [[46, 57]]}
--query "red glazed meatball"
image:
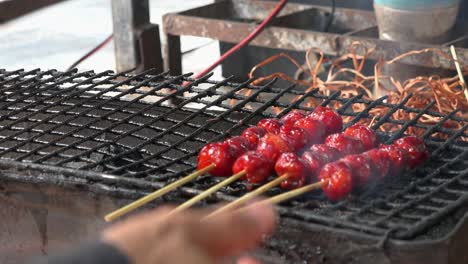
{"points": [[364, 134], [291, 164], [344, 144], [221, 155], [380, 162], [320, 109], [290, 118], [338, 180], [257, 167], [253, 134], [296, 137], [315, 130], [398, 158], [327, 153], [271, 146], [271, 125], [317, 156], [239, 145], [361, 168], [314, 163], [331, 119], [415, 148]]}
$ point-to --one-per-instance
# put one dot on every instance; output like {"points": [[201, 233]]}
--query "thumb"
{"points": [[236, 231], [247, 260]]}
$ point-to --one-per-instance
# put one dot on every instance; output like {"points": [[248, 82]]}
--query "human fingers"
{"points": [[234, 232]]}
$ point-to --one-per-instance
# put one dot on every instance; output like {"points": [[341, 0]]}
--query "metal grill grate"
{"points": [[145, 130]]}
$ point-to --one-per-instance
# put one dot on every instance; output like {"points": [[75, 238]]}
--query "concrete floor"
{"points": [[56, 36]]}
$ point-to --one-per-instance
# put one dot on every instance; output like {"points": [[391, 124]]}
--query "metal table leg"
{"points": [[137, 41]]}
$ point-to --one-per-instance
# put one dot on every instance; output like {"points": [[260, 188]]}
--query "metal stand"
{"points": [[137, 41], [298, 28]]}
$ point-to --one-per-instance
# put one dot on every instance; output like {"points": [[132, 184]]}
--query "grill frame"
{"points": [[312, 242], [107, 182]]}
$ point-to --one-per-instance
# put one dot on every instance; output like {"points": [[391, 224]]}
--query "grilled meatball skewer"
{"points": [[338, 178], [295, 134], [222, 152], [294, 171], [227, 152], [351, 170], [269, 139], [290, 138], [375, 164]]}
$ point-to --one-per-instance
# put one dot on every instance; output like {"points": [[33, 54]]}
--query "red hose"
{"points": [[90, 53], [245, 41], [237, 47]]}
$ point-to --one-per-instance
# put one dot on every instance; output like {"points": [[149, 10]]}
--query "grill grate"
{"points": [[149, 127]]}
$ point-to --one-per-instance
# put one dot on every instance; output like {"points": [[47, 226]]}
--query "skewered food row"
{"points": [[290, 147], [338, 174], [278, 141], [345, 159], [341, 176], [270, 138], [302, 169]]}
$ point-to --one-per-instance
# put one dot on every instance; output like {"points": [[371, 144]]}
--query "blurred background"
{"points": [[54, 34], [60, 32]]}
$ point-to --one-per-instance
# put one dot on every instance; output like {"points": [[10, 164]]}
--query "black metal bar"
{"points": [[220, 99], [160, 117], [296, 103], [387, 116], [89, 110], [52, 95], [411, 186], [365, 113], [17, 77], [35, 92], [227, 132], [438, 124], [413, 121]]}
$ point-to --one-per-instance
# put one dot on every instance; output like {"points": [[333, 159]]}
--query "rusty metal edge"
{"points": [[12, 9], [444, 250], [178, 24], [68, 177]]}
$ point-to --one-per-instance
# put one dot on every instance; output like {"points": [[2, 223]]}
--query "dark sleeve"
{"points": [[94, 253]]}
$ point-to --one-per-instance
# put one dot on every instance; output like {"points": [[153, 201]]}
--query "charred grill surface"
{"points": [[139, 132]]}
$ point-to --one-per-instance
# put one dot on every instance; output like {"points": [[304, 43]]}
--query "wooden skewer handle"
{"points": [[294, 193], [208, 192], [289, 195], [250, 195], [459, 71], [150, 197], [372, 122]]}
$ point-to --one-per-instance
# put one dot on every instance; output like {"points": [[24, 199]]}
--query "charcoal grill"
{"points": [[108, 138]]}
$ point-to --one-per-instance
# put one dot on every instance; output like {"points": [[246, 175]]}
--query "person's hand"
{"points": [[160, 237]]}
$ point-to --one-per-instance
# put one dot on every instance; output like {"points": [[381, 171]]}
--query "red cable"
{"points": [[90, 53], [244, 42], [237, 47]]}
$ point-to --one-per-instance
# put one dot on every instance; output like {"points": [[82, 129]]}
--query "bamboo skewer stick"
{"points": [[289, 195], [294, 193], [250, 195], [372, 122], [208, 192], [460, 74], [150, 197]]}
